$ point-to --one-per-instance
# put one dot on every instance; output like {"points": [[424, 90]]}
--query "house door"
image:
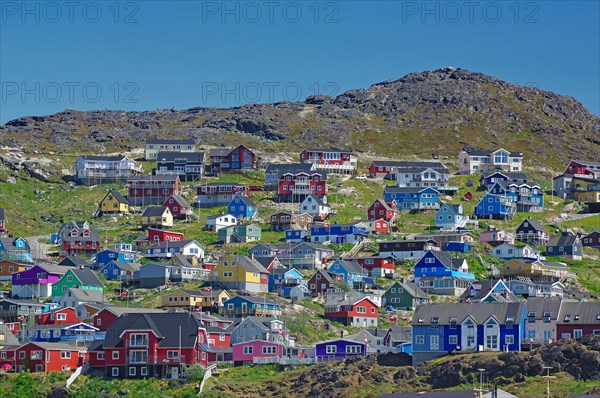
{"points": [[491, 342], [577, 333], [492, 333], [469, 335], [547, 336], [434, 343], [244, 308]]}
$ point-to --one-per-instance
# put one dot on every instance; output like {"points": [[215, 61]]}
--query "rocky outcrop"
{"points": [[437, 111]]}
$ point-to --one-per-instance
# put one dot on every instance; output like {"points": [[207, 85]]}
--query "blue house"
{"points": [[412, 198], [440, 329], [338, 233], [15, 249], [282, 280], [451, 217], [461, 247], [296, 235], [107, 255], [351, 270], [496, 207], [339, 349], [78, 332], [526, 197], [487, 181], [242, 207], [438, 264], [120, 270], [242, 306]]}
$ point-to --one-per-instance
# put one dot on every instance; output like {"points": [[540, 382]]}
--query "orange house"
{"points": [[7, 267]]}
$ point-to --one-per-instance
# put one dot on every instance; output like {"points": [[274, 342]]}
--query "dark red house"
{"points": [[80, 241], [323, 282], [331, 160], [352, 310], [379, 210], [576, 319], [180, 208], [227, 160], [152, 190], [295, 187], [151, 345], [591, 240], [156, 235], [110, 313], [60, 316], [382, 167], [44, 357], [582, 167], [377, 266]]}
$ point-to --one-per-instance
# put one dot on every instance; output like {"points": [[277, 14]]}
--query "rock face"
{"points": [[438, 111]]}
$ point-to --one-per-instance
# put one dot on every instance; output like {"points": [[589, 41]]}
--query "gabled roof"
{"points": [[55, 268], [219, 152], [125, 266], [352, 267], [324, 274], [417, 166], [406, 190], [266, 261], [485, 152], [580, 313], [246, 200], [153, 178], [191, 157], [180, 201], [537, 306], [349, 298], [254, 300], [176, 244], [480, 312], [316, 199], [9, 338], [94, 235], [118, 196], [411, 288], [562, 240], [154, 211], [446, 259], [453, 207], [172, 329], [251, 264], [282, 168], [480, 290], [90, 296], [170, 141], [103, 158], [77, 261], [87, 277], [534, 223], [383, 204], [24, 302], [327, 150], [8, 242]]}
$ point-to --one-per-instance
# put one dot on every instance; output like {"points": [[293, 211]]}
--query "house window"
{"points": [[131, 371], [269, 350], [330, 349], [138, 356], [100, 356], [353, 349], [40, 368], [22, 355], [144, 371], [361, 310], [509, 339], [248, 350], [172, 354], [65, 354], [138, 340], [420, 339], [115, 355], [61, 317], [453, 339], [37, 354]]}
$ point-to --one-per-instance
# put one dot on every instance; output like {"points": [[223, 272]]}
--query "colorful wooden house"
{"points": [[79, 238], [188, 166], [85, 279], [274, 172], [283, 280], [439, 273], [377, 266], [296, 186], [565, 245], [488, 180], [45, 357], [519, 251], [532, 232], [15, 249], [351, 270], [296, 235], [577, 319], [495, 237], [412, 198], [241, 273], [526, 197], [219, 193], [152, 190], [451, 217], [542, 316], [404, 296], [205, 300], [114, 203], [337, 349], [110, 313], [122, 271], [331, 160], [227, 160], [380, 210], [257, 351], [242, 207], [352, 310], [591, 240], [217, 222], [407, 249], [105, 256], [156, 235], [179, 207], [481, 160], [93, 170], [37, 281], [8, 267], [376, 227], [316, 207], [338, 233], [323, 282], [240, 233], [439, 329], [189, 248], [157, 217], [496, 207], [243, 306]]}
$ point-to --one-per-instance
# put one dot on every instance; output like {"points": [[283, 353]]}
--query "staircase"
{"points": [[358, 247]]}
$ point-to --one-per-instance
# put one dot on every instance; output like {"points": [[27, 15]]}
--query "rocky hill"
{"points": [[439, 112]]}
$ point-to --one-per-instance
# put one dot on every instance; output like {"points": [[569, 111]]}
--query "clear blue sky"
{"points": [[144, 55]]}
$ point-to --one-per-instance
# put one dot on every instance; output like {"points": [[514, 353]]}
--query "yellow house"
{"points": [[587, 196], [114, 203], [242, 273], [157, 217], [517, 267], [195, 298]]}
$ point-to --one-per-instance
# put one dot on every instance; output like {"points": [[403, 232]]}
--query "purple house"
{"points": [[37, 281], [339, 349], [264, 351]]}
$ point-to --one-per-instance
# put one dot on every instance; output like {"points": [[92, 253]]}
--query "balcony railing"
{"points": [[283, 361]]}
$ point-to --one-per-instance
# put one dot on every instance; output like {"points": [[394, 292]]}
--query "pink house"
{"points": [[245, 352]]}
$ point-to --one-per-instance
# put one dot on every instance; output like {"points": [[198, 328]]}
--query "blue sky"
{"points": [[145, 55]]}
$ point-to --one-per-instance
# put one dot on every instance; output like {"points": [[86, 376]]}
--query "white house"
{"points": [[316, 207], [507, 251], [220, 221], [168, 249], [475, 161]]}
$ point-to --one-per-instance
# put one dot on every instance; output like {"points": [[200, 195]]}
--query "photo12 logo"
{"points": [[470, 11], [69, 92], [270, 11], [68, 11], [265, 92]]}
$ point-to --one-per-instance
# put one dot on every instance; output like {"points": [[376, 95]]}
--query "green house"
{"points": [[240, 233], [85, 279], [404, 295]]}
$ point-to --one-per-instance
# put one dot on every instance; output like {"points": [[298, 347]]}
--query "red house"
{"points": [[323, 282], [44, 357], [60, 316], [583, 167], [377, 266], [80, 241], [232, 160], [381, 210], [152, 190], [352, 310], [331, 160], [159, 235], [468, 196], [295, 187], [591, 240], [152, 345], [576, 319], [2, 222], [219, 341], [382, 167], [180, 208], [110, 313]]}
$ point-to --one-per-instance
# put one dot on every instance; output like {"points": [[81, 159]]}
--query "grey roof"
{"points": [[24, 302], [191, 157], [125, 266], [400, 332], [484, 289], [171, 141], [219, 152], [446, 259], [388, 163], [352, 266], [8, 242], [9, 337], [118, 196], [539, 305], [325, 275], [485, 152], [180, 201], [262, 321], [55, 268], [581, 313], [154, 211], [480, 312], [58, 346], [247, 201], [266, 261], [225, 184], [251, 264], [94, 235], [411, 288], [87, 296], [77, 261], [153, 178], [390, 189], [255, 300], [103, 158], [453, 207], [172, 329], [420, 166], [202, 293], [317, 199], [348, 298], [176, 244], [87, 277], [563, 240], [118, 310], [327, 150], [534, 223], [282, 168]]}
